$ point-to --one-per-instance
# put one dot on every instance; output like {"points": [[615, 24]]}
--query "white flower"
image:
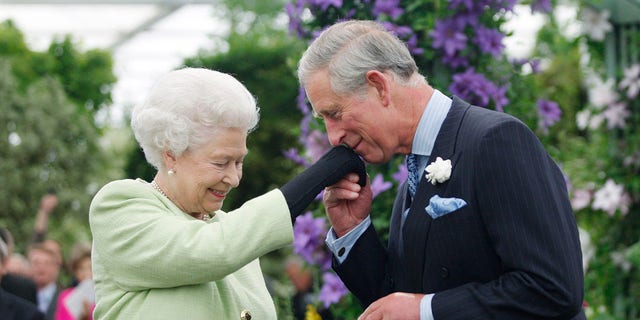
{"points": [[582, 119], [602, 93], [588, 251], [610, 198], [595, 24], [619, 258], [581, 199], [438, 171], [631, 81], [595, 121], [616, 115]]}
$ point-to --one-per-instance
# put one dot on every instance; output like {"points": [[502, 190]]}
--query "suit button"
{"points": [[245, 315], [444, 272]]}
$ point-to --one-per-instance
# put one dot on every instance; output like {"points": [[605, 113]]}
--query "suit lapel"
{"points": [[399, 205], [416, 227]]}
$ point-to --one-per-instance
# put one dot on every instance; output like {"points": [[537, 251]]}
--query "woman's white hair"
{"points": [[349, 49], [184, 109]]}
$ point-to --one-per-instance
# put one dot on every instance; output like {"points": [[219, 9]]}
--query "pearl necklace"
{"points": [[157, 187], [153, 183]]}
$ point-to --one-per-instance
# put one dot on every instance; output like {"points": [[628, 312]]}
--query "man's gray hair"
{"points": [[349, 49]]}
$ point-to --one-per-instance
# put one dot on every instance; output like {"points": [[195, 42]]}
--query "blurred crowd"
{"points": [[44, 283], [31, 283]]}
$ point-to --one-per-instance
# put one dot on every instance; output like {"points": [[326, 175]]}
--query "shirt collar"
{"points": [[45, 295], [430, 123]]}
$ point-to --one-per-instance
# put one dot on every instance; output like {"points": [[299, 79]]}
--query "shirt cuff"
{"points": [[425, 307], [341, 246]]}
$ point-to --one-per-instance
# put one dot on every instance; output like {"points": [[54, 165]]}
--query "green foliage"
{"points": [[591, 156], [87, 77], [49, 138], [43, 143]]}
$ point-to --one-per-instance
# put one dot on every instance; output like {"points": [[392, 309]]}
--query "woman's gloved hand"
{"points": [[329, 169]]}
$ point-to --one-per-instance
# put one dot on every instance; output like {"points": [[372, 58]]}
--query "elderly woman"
{"points": [[164, 249]]}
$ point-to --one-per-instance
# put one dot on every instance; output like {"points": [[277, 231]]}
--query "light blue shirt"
{"points": [[423, 141], [45, 295]]}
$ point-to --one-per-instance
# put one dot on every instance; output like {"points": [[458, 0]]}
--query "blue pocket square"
{"points": [[438, 206]]}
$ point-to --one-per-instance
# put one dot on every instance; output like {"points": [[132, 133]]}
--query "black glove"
{"points": [[329, 169]]}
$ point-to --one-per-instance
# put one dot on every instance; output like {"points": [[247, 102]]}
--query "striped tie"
{"points": [[412, 167]]}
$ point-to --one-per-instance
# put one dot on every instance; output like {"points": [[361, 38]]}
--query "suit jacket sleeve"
{"points": [[364, 272], [522, 199], [145, 242]]}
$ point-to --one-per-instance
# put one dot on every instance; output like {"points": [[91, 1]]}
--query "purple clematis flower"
{"points": [[468, 4], [448, 36], [400, 31], [473, 87], [333, 289], [507, 5], [317, 144], [378, 185], [535, 65], [390, 8], [401, 175], [294, 12], [455, 61], [489, 41], [549, 112], [293, 155], [308, 237], [412, 44], [471, 18], [301, 101], [405, 32], [499, 97], [324, 4], [542, 6]]}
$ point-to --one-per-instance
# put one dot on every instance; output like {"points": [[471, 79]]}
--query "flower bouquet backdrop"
{"points": [[586, 113]]}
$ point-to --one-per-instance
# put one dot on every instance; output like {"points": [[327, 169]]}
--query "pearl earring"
{"points": [[170, 172]]}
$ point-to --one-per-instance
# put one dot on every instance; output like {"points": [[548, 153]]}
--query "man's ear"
{"points": [[380, 82]]}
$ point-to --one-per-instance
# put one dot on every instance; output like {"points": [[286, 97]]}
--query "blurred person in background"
{"points": [[48, 203], [13, 307], [17, 277], [164, 249], [73, 304], [45, 266], [302, 281], [19, 265]]}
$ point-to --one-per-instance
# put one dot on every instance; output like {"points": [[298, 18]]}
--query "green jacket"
{"points": [[153, 261]]}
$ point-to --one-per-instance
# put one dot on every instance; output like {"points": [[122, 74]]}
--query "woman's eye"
{"points": [[220, 164]]}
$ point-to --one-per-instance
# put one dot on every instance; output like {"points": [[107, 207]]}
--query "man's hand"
{"points": [[347, 203], [398, 305]]}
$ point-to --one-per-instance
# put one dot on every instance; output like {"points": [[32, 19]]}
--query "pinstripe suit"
{"points": [[512, 253]]}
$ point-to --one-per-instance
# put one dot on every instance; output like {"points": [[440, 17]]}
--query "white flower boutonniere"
{"points": [[438, 171]]}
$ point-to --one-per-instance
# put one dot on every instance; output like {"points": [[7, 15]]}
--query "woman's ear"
{"points": [[169, 159], [379, 82]]}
